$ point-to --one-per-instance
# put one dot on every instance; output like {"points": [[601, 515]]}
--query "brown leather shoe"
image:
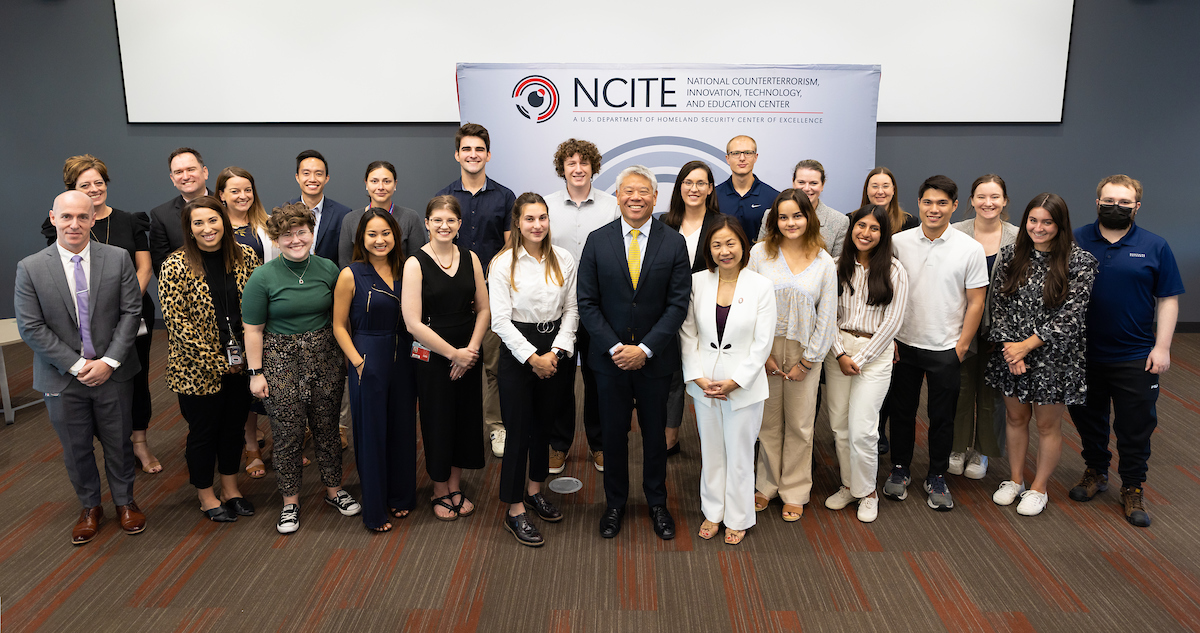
{"points": [[132, 519], [87, 526]]}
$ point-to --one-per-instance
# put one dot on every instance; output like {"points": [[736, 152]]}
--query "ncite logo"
{"points": [[536, 98]]}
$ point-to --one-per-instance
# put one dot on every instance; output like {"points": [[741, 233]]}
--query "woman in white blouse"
{"points": [[792, 256], [726, 339], [532, 290], [858, 369]]}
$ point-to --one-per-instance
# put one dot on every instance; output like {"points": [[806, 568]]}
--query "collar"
{"points": [[521, 252], [320, 205], [591, 197], [1127, 239], [645, 228], [458, 185], [66, 255]]}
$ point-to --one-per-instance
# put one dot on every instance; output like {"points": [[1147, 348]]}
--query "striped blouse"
{"points": [[882, 322], [806, 303]]}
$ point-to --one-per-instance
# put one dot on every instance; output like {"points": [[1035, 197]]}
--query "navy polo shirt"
{"points": [[1134, 272], [486, 215], [748, 209]]}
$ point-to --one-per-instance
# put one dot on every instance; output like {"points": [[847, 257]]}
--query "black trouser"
{"points": [[942, 370], [618, 392], [141, 383], [562, 428], [529, 405], [1133, 392], [216, 429]]}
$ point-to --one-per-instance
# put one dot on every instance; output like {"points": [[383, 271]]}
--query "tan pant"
{"points": [[786, 437], [490, 350]]}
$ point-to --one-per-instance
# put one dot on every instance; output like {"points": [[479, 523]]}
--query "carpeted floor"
{"points": [[1077, 567]]}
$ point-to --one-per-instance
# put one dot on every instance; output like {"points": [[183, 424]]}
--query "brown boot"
{"points": [[1092, 483], [1135, 508]]}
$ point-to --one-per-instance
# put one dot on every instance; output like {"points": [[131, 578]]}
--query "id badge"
{"points": [[420, 352], [233, 352]]}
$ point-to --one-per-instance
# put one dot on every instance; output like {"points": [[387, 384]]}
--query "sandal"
{"points": [[304, 461], [445, 503], [255, 472], [708, 529], [760, 502], [792, 513], [386, 527], [399, 514], [458, 506], [153, 468], [733, 537]]}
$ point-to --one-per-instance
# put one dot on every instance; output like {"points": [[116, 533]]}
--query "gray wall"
{"points": [[1130, 108]]}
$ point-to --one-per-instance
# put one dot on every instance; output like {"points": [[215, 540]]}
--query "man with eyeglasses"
{"points": [[486, 217], [947, 283], [575, 211], [190, 176], [1137, 285], [744, 196]]}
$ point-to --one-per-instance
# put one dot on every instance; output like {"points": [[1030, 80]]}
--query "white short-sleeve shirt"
{"points": [[939, 274]]}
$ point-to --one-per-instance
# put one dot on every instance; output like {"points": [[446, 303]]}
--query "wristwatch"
{"points": [[561, 353], [254, 372]]}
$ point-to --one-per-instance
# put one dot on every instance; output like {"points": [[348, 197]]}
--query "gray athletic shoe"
{"points": [[896, 486], [939, 495]]}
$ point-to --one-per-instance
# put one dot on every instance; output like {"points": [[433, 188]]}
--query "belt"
{"points": [[859, 334]]}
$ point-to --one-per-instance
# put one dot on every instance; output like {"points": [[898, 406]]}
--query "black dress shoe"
{"points": [[240, 506], [219, 514], [610, 522], [664, 525], [543, 508], [674, 450], [523, 530]]}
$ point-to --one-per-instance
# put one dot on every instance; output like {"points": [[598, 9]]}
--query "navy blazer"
{"points": [[613, 312], [330, 232]]}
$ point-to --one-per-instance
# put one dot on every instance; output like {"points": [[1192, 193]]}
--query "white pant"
{"points": [[854, 403], [727, 459]]}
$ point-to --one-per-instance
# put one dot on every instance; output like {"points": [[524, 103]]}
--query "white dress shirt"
{"points": [[69, 269], [571, 223], [536, 299]]}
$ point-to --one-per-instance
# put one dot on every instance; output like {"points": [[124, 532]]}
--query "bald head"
{"points": [[72, 219]]}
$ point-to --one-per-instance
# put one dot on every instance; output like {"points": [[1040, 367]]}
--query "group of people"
{"points": [[744, 298]]}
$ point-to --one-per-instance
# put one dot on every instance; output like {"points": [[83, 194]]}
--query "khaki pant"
{"points": [[785, 439], [490, 351]]}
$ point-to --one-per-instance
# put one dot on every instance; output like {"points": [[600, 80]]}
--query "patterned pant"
{"points": [[305, 373]]}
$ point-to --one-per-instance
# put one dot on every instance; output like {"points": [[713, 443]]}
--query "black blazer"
{"points": [[166, 231], [698, 262], [330, 233], [613, 312]]}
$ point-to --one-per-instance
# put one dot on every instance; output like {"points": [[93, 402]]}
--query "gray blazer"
{"points": [[1008, 236], [46, 315]]}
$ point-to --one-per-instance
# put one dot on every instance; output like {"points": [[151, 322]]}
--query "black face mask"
{"points": [[1115, 216]]}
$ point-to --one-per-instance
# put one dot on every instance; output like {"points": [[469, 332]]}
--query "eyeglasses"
{"points": [[1127, 204], [298, 234], [698, 184], [441, 221], [741, 153]]}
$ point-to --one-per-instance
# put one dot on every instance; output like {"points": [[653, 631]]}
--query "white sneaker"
{"points": [[868, 509], [839, 499], [498, 442], [289, 519], [976, 466], [956, 463], [1032, 503], [1008, 492]]}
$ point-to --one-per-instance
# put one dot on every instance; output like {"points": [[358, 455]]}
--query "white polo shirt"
{"points": [[939, 274]]}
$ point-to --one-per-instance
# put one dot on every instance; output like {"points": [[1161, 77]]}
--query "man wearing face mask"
{"points": [[1138, 284]]}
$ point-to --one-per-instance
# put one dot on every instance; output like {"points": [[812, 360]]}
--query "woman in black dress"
{"points": [[445, 305], [118, 228]]}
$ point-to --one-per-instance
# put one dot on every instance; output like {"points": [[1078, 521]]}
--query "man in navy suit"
{"points": [[634, 284], [312, 174]]}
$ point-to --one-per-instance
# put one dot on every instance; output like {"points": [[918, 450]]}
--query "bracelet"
{"points": [[839, 356], [806, 367]]}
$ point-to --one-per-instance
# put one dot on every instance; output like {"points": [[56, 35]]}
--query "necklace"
{"points": [[439, 259], [728, 281], [307, 261]]}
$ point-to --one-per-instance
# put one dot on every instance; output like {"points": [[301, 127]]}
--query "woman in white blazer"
{"points": [[726, 339]]}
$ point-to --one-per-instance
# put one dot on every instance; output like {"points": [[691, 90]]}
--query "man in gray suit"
{"points": [[78, 306]]}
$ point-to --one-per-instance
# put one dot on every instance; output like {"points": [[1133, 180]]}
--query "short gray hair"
{"points": [[637, 170]]}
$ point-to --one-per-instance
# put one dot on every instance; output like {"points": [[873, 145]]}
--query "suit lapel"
{"points": [[617, 239], [653, 241], [96, 277], [60, 281]]}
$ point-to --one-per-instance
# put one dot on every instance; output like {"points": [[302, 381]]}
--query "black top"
{"points": [[223, 288], [447, 303], [722, 317]]}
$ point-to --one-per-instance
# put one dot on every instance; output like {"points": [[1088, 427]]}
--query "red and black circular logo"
{"points": [[536, 98]]}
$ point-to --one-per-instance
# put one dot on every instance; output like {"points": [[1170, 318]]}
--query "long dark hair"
{"points": [[895, 213], [879, 262], [811, 240], [191, 250], [1056, 286], [395, 257], [515, 239], [674, 216]]}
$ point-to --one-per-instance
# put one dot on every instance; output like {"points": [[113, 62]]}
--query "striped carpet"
{"points": [[1077, 567]]}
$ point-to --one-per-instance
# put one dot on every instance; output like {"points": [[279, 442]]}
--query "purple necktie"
{"points": [[81, 304]]}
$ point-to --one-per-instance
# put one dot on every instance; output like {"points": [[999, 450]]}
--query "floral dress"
{"points": [[1054, 372]]}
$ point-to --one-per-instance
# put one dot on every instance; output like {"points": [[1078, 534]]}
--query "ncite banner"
{"points": [[663, 116]]}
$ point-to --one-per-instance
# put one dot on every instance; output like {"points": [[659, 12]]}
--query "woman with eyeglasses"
{"points": [[200, 287], [445, 307], [294, 362], [1040, 293], [793, 257], [694, 210]]}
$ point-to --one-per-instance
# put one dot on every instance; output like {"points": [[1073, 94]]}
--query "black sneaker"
{"points": [[896, 486], [939, 494]]}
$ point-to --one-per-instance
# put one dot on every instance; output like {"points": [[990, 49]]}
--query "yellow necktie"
{"points": [[635, 257]]}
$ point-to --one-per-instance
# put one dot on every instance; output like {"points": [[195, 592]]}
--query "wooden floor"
{"points": [[1077, 567]]}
